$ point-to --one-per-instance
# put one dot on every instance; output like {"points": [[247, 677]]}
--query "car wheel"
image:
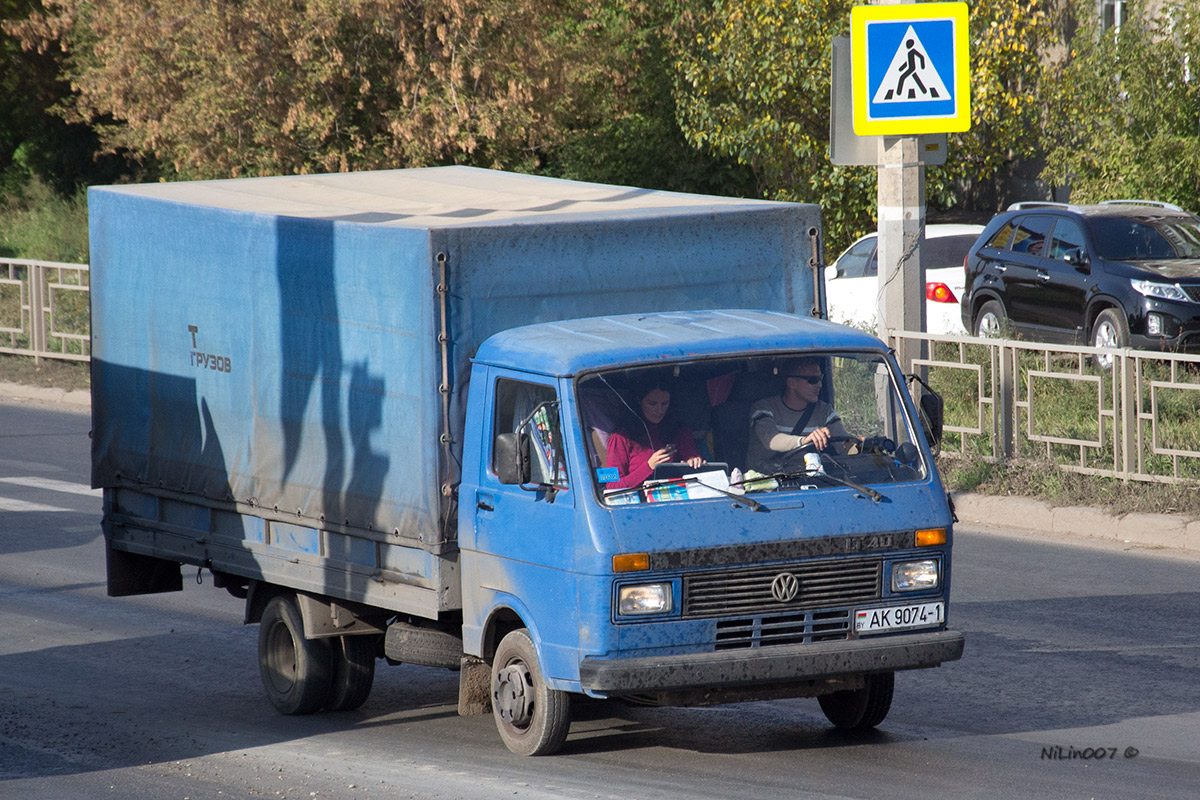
{"points": [[532, 718], [353, 671], [1110, 330], [860, 709], [990, 321], [295, 670]]}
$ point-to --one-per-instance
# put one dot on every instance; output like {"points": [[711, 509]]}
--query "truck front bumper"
{"points": [[769, 665]]}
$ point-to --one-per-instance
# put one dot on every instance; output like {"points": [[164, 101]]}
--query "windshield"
{"points": [[747, 426], [1161, 238]]}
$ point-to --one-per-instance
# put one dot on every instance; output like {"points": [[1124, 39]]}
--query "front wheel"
{"points": [[1111, 331], [532, 718], [295, 670], [860, 709]]}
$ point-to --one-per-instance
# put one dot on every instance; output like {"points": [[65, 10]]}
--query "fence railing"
{"points": [[1127, 414], [44, 309]]}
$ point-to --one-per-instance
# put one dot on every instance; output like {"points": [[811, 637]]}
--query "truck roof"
{"points": [[571, 346], [433, 197]]}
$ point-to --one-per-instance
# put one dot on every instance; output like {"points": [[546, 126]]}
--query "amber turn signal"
{"points": [[931, 536], [631, 562]]}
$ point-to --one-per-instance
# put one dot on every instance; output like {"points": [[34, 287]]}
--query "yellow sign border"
{"points": [[915, 12]]}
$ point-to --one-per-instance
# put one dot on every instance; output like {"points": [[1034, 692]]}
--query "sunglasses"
{"points": [[813, 379]]}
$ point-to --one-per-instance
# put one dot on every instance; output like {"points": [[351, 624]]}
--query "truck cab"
{"points": [[711, 580]]}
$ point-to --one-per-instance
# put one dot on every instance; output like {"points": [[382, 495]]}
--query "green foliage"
{"points": [[753, 84], [1121, 113], [38, 223], [618, 121], [1008, 39]]}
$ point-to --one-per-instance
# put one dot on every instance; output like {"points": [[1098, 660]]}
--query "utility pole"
{"points": [[901, 298], [901, 223]]}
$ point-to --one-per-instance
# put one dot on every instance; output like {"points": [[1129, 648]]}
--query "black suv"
{"points": [[1123, 273]]}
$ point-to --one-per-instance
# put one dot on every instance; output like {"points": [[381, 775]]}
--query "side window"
{"points": [[853, 262], [1002, 237], [1031, 234], [518, 402], [1067, 238]]}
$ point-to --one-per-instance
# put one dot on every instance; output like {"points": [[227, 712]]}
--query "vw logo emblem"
{"points": [[785, 587]]}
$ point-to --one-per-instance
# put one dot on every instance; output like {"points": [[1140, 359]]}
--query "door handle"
{"points": [[1043, 276], [485, 502]]}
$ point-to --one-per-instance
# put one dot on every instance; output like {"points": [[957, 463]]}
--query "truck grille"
{"points": [[782, 588], [801, 627], [1193, 292]]}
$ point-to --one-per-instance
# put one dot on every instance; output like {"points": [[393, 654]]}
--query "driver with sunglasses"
{"points": [[786, 426]]}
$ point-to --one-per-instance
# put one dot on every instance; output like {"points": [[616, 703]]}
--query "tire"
{"points": [[295, 670], [1110, 330], [532, 718], [861, 709], [990, 321], [352, 673]]}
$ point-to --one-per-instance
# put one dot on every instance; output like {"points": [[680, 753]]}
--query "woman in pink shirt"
{"points": [[655, 439]]}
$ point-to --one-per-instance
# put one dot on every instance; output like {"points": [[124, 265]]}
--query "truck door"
{"points": [[524, 534]]}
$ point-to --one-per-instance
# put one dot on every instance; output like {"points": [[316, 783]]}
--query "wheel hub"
{"points": [[511, 696]]}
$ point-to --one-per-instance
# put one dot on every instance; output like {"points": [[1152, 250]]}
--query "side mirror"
{"points": [[932, 416], [831, 273], [1078, 258], [511, 459]]}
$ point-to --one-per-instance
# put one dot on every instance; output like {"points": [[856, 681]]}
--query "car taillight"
{"points": [[939, 293]]}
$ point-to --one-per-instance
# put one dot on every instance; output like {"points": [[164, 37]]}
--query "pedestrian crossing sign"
{"points": [[909, 69]]}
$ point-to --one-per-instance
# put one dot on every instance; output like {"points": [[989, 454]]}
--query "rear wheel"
{"points": [[295, 670], [532, 718], [1110, 330], [989, 323], [353, 672], [860, 709]]}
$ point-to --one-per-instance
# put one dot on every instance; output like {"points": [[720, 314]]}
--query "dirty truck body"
{"points": [[376, 406]]}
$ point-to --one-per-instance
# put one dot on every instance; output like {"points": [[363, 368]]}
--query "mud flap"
{"points": [[133, 574]]}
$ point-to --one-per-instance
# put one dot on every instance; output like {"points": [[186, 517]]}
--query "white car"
{"points": [[852, 285]]}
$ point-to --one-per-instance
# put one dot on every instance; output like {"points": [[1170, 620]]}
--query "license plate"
{"points": [[893, 618]]}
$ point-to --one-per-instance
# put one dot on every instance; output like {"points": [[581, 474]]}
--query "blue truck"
{"points": [[383, 408]]}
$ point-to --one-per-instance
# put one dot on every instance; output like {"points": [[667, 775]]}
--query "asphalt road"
{"points": [[1079, 681]]}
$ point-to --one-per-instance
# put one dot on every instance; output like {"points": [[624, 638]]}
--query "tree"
{"points": [[1009, 41], [229, 87], [619, 123], [34, 142], [1123, 111], [753, 84]]}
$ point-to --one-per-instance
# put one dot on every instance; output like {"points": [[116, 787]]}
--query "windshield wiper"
{"points": [[866, 491], [749, 502]]}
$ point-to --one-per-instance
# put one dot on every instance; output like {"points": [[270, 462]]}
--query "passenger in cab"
{"points": [[784, 427], [656, 437]]}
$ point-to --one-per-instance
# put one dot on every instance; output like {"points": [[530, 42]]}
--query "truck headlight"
{"points": [[644, 598], [913, 576]]}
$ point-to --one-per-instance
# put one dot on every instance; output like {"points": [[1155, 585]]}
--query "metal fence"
{"points": [[44, 309], [1127, 414]]}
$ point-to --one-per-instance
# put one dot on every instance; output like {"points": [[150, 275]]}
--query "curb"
{"points": [[19, 392], [1165, 531]]}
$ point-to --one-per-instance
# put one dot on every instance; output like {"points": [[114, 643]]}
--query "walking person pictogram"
{"points": [[910, 71]]}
